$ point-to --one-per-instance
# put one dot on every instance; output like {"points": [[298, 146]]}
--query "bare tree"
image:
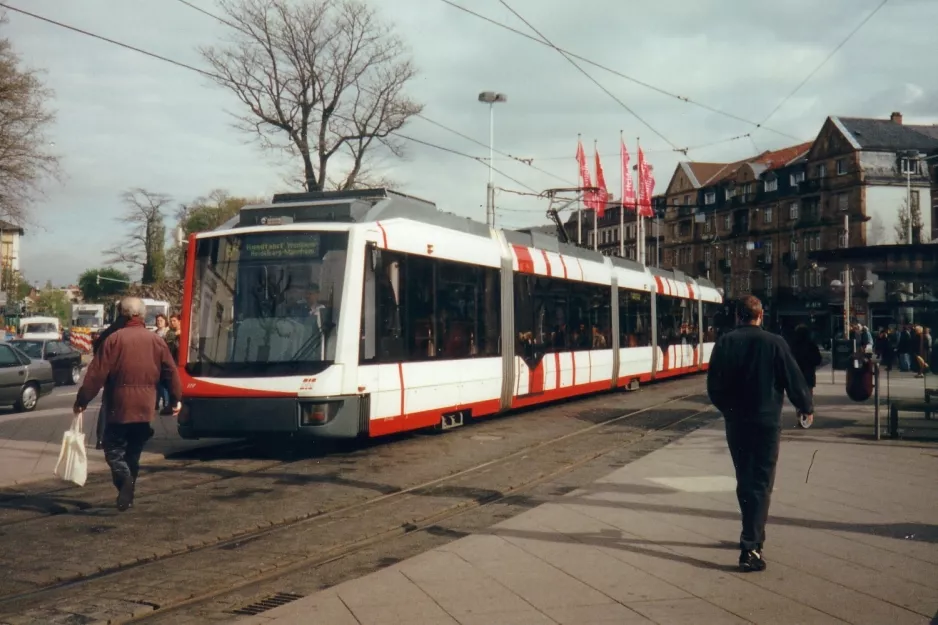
{"points": [[320, 79], [145, 244], [902, 225], [25, 159]]}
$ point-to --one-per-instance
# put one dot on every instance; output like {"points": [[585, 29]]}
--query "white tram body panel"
{"points": [[367, 313]]}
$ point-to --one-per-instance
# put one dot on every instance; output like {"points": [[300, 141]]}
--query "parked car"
{"points": [[65, 359], [23, 380]]}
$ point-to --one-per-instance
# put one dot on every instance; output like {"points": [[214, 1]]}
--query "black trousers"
{"points": [[754, 449], [123, 444]]}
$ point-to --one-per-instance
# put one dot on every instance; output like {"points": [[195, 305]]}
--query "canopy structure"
{"points": [[916, 263]]}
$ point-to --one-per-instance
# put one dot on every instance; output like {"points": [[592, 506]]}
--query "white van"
{"points": [[40, 328]]}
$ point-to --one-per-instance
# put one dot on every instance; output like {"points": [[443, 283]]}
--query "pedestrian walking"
{"points": [[750, 372], [129, 365], [119, 323], [808, 357]]}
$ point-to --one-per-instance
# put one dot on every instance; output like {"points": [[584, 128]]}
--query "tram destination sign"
{"points": [[280, 246]]}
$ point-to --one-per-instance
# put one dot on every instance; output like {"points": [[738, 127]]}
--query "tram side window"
{"points": [[560, 315], [711, 321], [677, 321], [634, 318], [416, 308]]}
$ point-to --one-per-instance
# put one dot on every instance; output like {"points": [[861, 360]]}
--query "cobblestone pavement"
{"points": [[181, 541]]}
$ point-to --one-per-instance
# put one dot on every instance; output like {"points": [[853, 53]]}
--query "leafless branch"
{"points": [[318, 79], [26, 159], [144, 243]]}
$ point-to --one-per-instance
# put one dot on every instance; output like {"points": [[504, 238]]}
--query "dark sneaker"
{"points": [[125, 498], [751, 561]]}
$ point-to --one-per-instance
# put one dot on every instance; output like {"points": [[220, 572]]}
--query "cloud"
{"points": [[126, 120]]}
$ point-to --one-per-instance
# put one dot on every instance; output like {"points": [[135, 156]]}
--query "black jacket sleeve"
{"points": [[790, 378], [717, 388]]}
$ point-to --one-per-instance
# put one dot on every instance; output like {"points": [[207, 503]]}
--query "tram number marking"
{"points": [[307, 384]]}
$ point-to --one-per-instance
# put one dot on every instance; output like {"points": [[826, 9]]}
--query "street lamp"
{"points": [[491, 97]]}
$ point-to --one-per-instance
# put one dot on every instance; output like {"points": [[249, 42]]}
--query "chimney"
{"points": [[896, 117]]}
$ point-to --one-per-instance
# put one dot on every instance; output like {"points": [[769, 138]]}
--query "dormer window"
{"points": [[710, 197], [796, 178], [771, 185]]}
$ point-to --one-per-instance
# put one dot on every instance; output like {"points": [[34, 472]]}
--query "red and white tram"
{"points": [[345, 314]]}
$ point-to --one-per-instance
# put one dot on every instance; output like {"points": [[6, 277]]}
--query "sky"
{"points": [[125, 120]]}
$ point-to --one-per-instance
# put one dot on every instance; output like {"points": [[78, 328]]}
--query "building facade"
{"points": [[617, 236], [747, 226]]}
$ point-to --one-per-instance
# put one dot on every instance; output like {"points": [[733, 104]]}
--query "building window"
{"points": [[817, 240], [796, 178], [686, 200], [842, 239], [707, 225], [843, 202], [768, 282], [821, 170], [730, 192], [794, 279], [793, 210], [710, 197], [771, 185], [794, 248], [909, 166], [708, 253], [841, 166], [727, 221], [767, 215], [767, 248]]}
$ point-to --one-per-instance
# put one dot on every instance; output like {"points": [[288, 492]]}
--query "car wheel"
{"points": [[29, 397], [75, 375]]}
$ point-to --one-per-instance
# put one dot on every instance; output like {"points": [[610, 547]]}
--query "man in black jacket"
{"points": [[750, 372]]}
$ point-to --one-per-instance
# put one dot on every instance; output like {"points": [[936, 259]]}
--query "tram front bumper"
{"points": [[315, 417]]}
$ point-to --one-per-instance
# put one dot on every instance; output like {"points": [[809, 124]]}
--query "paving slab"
{"points": [[852, 538]]}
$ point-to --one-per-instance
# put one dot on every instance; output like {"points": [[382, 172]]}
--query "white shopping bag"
{"points": [[73, 460]]}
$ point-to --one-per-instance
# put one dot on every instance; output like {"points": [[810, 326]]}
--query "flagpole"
{"points": [[596, 208], [642, 256], [622, 174], [579, 214]]}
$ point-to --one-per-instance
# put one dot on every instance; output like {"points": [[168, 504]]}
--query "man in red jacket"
{"points": [[129, 365]]}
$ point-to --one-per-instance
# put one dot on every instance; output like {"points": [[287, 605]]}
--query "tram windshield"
{"points": [[266, 303]]}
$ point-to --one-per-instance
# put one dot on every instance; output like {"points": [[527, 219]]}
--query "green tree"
{"points": [[201, 215], [145, 243], [52, 302], [112, 284]]}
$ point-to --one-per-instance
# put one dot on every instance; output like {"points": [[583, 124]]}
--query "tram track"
{"points": [[408, 495], [418, 525]]}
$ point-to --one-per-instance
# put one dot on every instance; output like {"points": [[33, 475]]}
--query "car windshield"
{"points": [[39, 328], [152, 312], [266, 304], [33, 349], [88, 320]]}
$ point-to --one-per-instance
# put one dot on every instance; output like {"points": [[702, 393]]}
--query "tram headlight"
{"points": [[318, 413]]}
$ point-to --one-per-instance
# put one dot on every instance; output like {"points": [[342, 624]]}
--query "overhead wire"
{"points": [[419, 115], [622, 75], [824, 62], [218, 78], [593, 80]]}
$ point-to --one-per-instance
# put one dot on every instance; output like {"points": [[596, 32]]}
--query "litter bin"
{"points": [[860, 377]]}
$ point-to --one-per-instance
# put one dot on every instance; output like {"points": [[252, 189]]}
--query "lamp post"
{"points": [[909, 157], [491, 97]]}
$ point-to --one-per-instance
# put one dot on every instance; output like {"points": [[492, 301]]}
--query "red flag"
{"points": [[585, 180], [601, 196], [628, 186], [646, 186]]}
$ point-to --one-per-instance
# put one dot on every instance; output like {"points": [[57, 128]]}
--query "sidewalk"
{"points": [[853, 538]]}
